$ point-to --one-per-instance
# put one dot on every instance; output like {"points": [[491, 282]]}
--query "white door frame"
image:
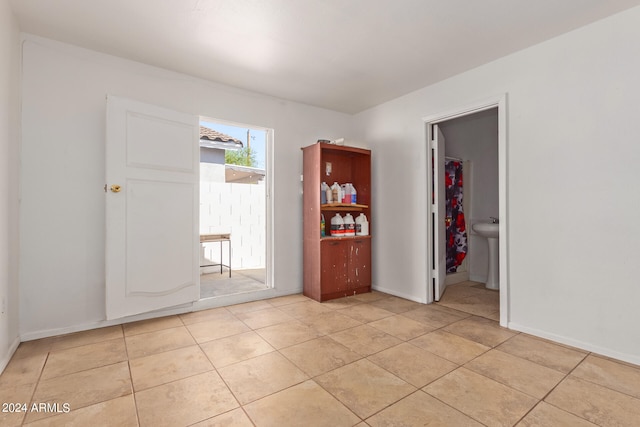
{"points": [[499, 101], [269, 249]]}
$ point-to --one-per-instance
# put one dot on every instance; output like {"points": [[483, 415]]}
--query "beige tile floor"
{"points": [[367, 360]]}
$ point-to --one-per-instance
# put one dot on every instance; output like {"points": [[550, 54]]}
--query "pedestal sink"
{"points": [[489, 230]]}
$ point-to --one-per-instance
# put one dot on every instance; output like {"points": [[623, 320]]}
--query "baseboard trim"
{"points": [[34, 335], [6, 358], [397, 294], [202, 304], [582, 345]]}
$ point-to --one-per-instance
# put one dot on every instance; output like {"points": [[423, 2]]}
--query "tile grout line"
{"points": [[542, 400], [50, 350], [337, 310], [592, 354], [133, 390], [35, 387]]}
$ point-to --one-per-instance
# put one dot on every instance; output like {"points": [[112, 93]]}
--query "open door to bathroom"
{"points": [[437, 232], [433, 288]]}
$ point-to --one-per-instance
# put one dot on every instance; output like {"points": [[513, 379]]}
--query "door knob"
{"points": [[115, 188]]}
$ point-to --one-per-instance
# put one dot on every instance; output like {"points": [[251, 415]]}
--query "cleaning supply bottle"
{"points": [[323, 193], [362, 225], [346, 196], [354, 198], [322, 225], [349, 225], [337, 226], [336, 193]]}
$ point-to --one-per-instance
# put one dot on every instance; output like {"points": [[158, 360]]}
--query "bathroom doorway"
{"points": [[474, 137], [471, 182]]}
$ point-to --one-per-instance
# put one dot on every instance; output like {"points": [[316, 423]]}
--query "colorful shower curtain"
{"points": [[456, 230]]}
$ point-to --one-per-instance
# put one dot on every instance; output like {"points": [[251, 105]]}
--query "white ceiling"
{"points": [[345, 55]]}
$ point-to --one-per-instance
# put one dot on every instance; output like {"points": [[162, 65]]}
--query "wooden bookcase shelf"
{"points": [[343, 207], [344, 238], [335, 267]]}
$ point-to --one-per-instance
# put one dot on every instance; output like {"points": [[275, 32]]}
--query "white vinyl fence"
{"points": [[238, 209]]}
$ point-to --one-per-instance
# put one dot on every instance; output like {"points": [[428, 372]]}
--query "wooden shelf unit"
{"points": [[335, 267]]}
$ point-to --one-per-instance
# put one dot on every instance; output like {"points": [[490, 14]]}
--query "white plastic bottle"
{"points": [[362, 225], [346, 195], [337, 226], [336, 196], [349, 225], [354, 198], [323, 193]]}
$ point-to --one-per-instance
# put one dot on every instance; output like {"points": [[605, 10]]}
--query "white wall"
{"points": [[475, 138], [62, 213], [573, 157], [9, 126]]}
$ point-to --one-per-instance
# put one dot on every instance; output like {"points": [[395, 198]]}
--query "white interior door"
{"points": [[152, 243], [438, 212]]}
